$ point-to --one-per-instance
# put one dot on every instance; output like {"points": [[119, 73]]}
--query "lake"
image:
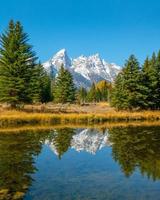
{"points": [[115, 163]]}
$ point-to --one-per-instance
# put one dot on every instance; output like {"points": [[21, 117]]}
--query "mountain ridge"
{"points": [[85, 69]]}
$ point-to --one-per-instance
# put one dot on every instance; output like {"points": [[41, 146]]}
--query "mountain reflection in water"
{"points": [[94, 154], [89, 140]]}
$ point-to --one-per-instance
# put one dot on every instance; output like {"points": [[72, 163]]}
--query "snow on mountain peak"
{"points": [[95, 56], [59, 59], [60, 54], [85, 70]]}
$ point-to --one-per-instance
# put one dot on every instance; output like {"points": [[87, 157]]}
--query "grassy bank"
{"points": [[12, 118]]}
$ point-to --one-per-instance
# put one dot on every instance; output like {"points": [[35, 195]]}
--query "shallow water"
{"points": [[81, 164]]}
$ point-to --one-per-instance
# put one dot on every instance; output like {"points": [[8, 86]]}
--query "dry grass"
{"points": [[101, 107], [17, 117]]}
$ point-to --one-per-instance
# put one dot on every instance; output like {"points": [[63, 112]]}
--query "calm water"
{"points": [[81, 164]]}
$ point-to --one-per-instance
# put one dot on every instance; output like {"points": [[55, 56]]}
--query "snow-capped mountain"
{"points": [[85, 70], [87, 140]]}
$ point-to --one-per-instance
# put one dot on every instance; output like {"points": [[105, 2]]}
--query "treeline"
{"points": [[138, 87], [64, 90], [98, 92]]}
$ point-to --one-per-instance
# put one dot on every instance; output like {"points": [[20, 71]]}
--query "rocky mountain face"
{"points": [[85, 70]]}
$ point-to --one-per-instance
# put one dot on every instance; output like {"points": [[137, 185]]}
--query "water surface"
{"points": [[81, 164]]}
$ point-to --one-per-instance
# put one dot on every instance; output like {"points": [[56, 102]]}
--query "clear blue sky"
{"points": [[113, 28]]}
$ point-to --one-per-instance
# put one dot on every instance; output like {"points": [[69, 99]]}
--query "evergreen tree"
{"points": [[153, 81], [119, 95], [64, 89], [147, 82], [81, 95], [43, 84], [98, 95], [129, 92], [17, 66], [151, 75], [92, 94], [158, 81]]}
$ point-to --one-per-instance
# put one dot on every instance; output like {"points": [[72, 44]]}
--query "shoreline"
{"points": [[108, 125], [12, 118]]}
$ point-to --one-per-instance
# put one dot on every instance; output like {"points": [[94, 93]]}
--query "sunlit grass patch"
{"points": [[18, 118]]}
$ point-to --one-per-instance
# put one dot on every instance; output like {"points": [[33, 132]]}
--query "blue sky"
{"points": [[113, 28]]}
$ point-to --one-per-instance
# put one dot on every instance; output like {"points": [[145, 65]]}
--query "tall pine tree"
{"points": [[64, 90], [92, 94], [81, 95], [119, 95], [17, 67], [129, 92], [43, 84], [151, 76], [158, 81]]}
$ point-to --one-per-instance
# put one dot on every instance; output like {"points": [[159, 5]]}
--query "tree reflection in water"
{"points": [[137, 147], [132, 148], [60, 140], [17, 152]]}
